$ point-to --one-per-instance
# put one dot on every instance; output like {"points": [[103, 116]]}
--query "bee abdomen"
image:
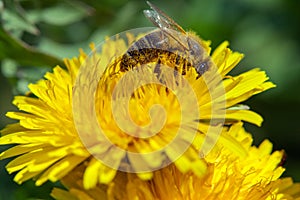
{"points": [[136, 58]]}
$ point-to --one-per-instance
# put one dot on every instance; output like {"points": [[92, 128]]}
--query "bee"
{"points": [[169, 41]]}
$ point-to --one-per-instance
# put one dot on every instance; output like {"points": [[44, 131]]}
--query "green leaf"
{"points": [[62, 50], [14, 23], [24, 54], [61, 15]]}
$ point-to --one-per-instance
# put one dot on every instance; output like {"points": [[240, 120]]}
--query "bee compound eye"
{"points": [[202, 67]]}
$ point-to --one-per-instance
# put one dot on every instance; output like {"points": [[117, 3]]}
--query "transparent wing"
{"points": [[161, 19]]}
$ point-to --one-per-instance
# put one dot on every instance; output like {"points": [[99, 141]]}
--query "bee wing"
{"points": [[161, 19], [165, 23]]}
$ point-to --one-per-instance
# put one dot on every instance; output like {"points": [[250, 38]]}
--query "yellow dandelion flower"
{"points": [[229, 176], [49, 145]]}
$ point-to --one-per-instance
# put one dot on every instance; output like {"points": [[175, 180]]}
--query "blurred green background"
{"points": [[35, 35]]}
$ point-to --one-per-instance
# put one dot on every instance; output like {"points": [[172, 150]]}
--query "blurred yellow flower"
{"points": [[48, 147], [228, 176]]}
